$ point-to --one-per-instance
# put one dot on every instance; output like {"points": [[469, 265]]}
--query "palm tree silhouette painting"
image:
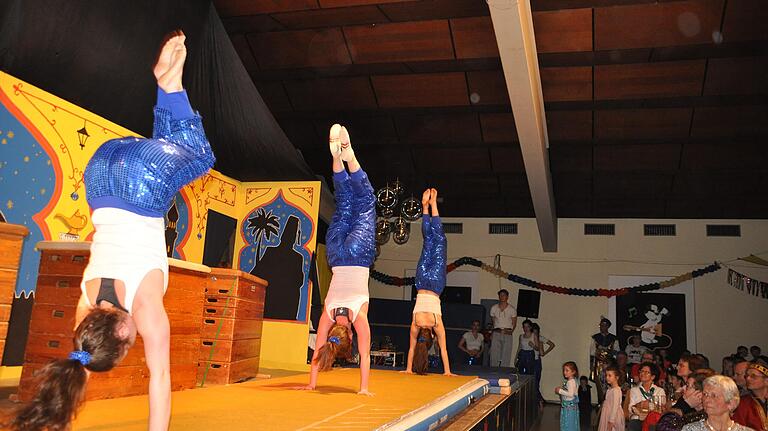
{"points": [[263, 224]]}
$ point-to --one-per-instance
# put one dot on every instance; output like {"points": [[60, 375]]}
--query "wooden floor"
{"points": [[550, 420]]}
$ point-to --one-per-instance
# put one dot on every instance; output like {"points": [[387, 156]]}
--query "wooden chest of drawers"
{"points": [[231, 327], [53, 318]]}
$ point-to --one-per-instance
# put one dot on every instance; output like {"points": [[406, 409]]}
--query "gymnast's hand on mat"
{"points": [[365, 392], [406, 371], [304, 388], [450, 374]]}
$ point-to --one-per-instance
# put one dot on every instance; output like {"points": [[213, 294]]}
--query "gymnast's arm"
{"points": [[440, 331], [322, 337], [363, 347], [154, 328], [413, 336]]}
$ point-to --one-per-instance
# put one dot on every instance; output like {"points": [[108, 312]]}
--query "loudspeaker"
{"points": [[528, 303]]}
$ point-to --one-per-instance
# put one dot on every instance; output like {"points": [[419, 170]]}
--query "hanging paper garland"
{"points": [[409, 281]]}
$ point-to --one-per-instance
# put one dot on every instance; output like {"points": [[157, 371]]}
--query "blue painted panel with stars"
{"points": [[27, 182]]}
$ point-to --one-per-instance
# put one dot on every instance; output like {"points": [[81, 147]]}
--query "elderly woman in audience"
{"points": [[720, 398]]}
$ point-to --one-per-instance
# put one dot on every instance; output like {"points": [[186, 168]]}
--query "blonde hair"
{"points": [[331, 350], [728, 386]]}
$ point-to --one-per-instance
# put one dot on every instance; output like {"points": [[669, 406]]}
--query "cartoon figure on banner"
{"points": [[651, 331], [277, 236]]}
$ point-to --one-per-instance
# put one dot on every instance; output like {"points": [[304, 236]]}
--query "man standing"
{"points": [[504, 322], [602, 348]]}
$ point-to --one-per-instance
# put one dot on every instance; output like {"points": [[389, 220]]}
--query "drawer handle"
{"points": [[213, 299], [78, 259], [57, 313], [62, 283], [253, 288], [210, 310], [209, 321], [215, 365], [53, 344], [55, 258], [223, 290], [207, 343]]}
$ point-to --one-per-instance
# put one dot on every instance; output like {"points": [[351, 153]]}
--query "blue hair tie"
{"points": [[81, 356], [334, 339], [421, 340]]}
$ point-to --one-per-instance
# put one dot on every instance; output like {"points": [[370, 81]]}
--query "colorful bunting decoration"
{"points": [[409, 281]]}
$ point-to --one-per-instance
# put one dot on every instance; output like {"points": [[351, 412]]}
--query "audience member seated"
{"points": [[635, 371], [685, 366], [751, 411], [674, 420], [635, 350], [646, 397], [472, 344], [740, 374], [720, 398]]}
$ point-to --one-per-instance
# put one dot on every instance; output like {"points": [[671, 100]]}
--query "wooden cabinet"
{"points": [[233, 313], [53, 316], [11, 242]]}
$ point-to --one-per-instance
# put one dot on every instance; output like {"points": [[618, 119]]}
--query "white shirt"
{"points": [[635, 354], [472, 342], [635, 396], [503, 318], [523, 340], [570, 391]]}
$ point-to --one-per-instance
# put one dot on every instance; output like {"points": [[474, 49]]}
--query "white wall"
{"points": [[725, 317]]}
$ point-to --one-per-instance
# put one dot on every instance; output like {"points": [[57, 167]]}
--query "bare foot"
{"points": [[170, 63], [433, 202], [425, 197]]}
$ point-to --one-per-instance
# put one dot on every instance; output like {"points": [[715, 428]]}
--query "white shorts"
{"points": [[126, 247]]}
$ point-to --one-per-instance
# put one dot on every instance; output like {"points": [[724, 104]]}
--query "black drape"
{"points": [[99, 55]]}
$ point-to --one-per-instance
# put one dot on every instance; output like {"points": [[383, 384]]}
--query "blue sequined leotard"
{"points": [[351, 237], [430, 274], [142, 175]]}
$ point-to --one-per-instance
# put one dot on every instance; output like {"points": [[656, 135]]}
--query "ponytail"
{"points": [[61, 387], [339, 344], [61, 391], [421, 351]]}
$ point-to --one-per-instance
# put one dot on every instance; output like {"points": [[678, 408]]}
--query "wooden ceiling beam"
{"points": [[513, 26]]}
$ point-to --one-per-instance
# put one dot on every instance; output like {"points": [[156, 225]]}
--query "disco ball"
{"points": [[383, 230], [401, 231], [411, 209], [386, 197]]}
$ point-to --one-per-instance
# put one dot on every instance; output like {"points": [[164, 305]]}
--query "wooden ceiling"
{"points": [[655, 109]]}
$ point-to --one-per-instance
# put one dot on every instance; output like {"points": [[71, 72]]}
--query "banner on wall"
{"points": [[277, 241], [748, 284]]}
